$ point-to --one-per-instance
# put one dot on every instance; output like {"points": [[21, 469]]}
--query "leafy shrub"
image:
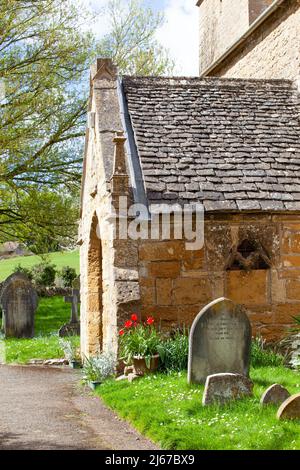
{"points": [[44, 274], [99, 368], [26, 271], [262, 356], [174, 352], [67, 275], [70, 348]]}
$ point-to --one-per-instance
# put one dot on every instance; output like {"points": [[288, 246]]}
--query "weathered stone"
{"points": [[290, 408], [69, 329], [121, 377], [132, 377], [247, 287], [274, 395], [220, 341], [128, 370], [19, 302], [222, 388]]}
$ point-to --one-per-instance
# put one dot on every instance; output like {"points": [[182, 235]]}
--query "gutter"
{"points": [[259, 21], [134, 163]]}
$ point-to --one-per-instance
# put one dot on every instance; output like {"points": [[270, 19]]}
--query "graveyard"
{"points": [[51, 314], [169, 411]]}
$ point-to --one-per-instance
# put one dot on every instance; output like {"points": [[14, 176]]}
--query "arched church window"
{"points": [[248, 255]]}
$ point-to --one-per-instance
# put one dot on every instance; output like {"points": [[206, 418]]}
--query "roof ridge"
{"points": [[208, 79]]}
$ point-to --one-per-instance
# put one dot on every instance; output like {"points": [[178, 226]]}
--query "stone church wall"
{"points": [[175, 283], [272, 51]]}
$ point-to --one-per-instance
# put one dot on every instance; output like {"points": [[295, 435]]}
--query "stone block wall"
{"points": [[175, 284], [271, 52], [221, 23]]}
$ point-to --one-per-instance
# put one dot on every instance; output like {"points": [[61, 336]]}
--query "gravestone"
{"points": [[220, 341], [19, 302], [73, 327], [274, 395], [222, 388], [290, 408]]}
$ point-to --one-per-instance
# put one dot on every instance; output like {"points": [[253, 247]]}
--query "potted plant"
{"points": [[71, 352], [97, 369], [139, 344]]}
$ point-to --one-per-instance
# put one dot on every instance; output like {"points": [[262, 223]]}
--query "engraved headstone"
{"points": [[222, 388], [220, 341], [19, 302], [274, 395]]}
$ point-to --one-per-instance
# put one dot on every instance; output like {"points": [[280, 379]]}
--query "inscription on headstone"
{"points": [[220, 341], [19, 302]]}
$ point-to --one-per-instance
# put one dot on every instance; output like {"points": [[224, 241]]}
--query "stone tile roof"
{"points": [[231, 144]]}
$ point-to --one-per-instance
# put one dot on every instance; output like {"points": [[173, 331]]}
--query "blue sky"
{"points": [[179, 34]]}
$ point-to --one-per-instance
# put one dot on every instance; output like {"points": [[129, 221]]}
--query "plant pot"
{"points": [[94, 385], [75, 364], [140, 366]]}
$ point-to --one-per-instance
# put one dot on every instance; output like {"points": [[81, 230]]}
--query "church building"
{"points": [[227, 141]]}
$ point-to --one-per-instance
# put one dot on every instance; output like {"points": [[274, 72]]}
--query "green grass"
{"points": [[59, 259], [169, 411], [52, 313]]}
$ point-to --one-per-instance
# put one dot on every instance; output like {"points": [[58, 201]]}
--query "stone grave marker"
{"points": [[222, 388], [73, 327], [290, 408], [220, 341], [274, 395], [19, 302]]}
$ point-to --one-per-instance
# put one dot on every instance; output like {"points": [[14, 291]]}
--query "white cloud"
{"points": [[180, 35]]}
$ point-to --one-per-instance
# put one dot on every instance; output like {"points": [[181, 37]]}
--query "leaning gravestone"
{"points": [[274, 395], [220, 341], [19, 302], [222, 388], [290, 408]]}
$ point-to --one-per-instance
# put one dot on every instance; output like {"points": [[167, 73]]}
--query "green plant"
{"points": [[67, 275], [139, 340], [70, 348], [44, 274], [99, 368], [262, 356], [26, 271], [174, 351]]}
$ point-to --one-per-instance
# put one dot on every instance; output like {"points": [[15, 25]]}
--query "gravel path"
{"points": [[46, 408]]}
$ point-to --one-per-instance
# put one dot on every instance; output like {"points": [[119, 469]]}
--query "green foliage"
{"points": [[59, 259], [26, 271], [44, 274], [168, 410], [262, 356], [174, 352], [67, 274], [46, 51], [99, 368], [70, 348], [131, 41], [139, 339]]}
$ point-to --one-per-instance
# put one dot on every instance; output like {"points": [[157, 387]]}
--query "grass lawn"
{"points": [[59, 259], [169, 411], [52, 313]]}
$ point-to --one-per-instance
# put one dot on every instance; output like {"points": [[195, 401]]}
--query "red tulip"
{"points": [[134, 317], [121, 332], [128, 324], [150, 320]]}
